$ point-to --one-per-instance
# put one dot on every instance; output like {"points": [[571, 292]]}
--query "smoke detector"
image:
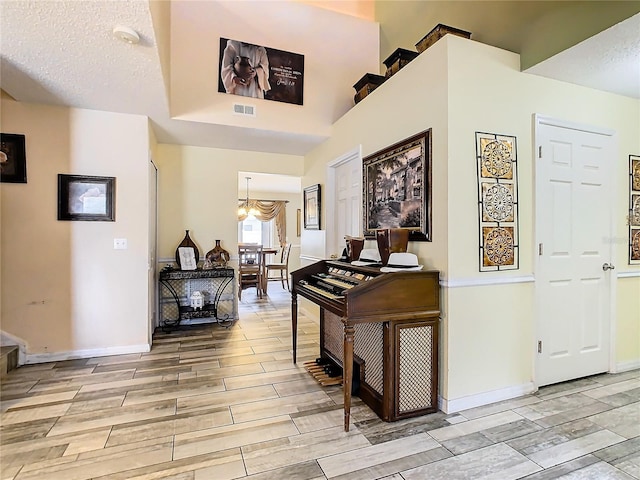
{"points": [[126, 34]]}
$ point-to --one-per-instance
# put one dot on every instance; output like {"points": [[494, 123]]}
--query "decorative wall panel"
{"points": [[634, 209], [497, 202]]}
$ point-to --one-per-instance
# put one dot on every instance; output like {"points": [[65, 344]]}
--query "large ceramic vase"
{"points": [[187, 242], [216, 257], [391, 240]]}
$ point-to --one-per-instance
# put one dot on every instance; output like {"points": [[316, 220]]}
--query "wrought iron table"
{"points": [[216, 285]]}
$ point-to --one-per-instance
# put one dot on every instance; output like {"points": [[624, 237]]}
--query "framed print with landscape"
{"points": [[13, 158], [397, 188], [312, 207], [83, 197]]}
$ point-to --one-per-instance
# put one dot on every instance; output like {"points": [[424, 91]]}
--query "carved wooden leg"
{"points": [[294, 323], [347, 370]]}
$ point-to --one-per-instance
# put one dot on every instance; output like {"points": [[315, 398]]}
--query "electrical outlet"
{"points": [[120, 243]]}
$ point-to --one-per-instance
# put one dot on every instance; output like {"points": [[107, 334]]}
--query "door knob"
{"points": [[608, 266]]}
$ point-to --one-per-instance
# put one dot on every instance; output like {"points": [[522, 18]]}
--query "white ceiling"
{"points": [[64, 53]]}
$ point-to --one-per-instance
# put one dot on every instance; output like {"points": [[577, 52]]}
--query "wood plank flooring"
{"points": [[212, 403]]}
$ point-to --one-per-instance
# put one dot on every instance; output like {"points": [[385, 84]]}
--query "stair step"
{"points": [[8, 359]]}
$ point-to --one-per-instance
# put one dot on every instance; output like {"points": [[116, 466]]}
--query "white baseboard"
{"points": [[484, 398], [88, 353], [626, 366]]}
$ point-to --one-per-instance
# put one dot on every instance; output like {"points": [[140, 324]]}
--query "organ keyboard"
{"points": [[384, 323]]}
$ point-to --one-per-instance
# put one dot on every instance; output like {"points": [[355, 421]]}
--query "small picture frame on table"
{"points": [[311, 204], [88, 198]]}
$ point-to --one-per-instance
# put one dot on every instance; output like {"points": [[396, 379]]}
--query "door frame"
{"points": [[330, 196], [154, 317], [538, 121]]}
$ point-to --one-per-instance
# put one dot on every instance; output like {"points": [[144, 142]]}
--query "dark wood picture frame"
{"points": [[312, 207], [397, 188], [13, 159], [85, 197]]}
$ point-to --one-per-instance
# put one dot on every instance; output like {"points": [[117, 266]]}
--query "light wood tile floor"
{"points": [[215, 403]]}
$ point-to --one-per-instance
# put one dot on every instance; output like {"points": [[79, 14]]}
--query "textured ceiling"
{"points": [[608, 61], [63, 53]]}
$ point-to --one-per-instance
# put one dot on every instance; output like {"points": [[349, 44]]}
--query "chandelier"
{"points": [[245, 208]]}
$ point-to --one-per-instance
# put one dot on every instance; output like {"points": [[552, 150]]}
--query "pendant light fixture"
{"points": [[245, 209]]}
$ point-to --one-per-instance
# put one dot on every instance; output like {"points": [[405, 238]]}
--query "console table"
{"points": [[216, 286]]}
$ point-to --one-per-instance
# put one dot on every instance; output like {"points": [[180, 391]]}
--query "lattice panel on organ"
{"points": [[333, 335], [415, 382], [367, 345]]}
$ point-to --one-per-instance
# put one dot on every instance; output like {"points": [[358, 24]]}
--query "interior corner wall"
{"points": [[198, 191], [409, 102], [333, 61], [458, 87], [66, 293], [492, 343]]}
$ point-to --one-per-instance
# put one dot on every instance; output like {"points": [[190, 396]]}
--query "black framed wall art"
{"points": [[13, 158], [311, 204], [88, 198], [397, 188]]}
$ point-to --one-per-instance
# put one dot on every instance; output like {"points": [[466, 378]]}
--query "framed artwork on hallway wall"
{"points": [[88, 198], [397, 188], [634, 210], [260, 72], [496, 162], [311, 205], [13, 158]]}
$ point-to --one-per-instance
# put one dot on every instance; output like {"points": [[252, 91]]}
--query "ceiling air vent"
{"points": [[249, 110]]}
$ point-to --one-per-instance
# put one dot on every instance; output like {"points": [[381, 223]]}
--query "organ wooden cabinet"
{"points": [[381, 328]]}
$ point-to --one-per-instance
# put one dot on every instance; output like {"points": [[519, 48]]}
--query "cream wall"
{"points": [[333, 61], [458, 87], [198, 191], [504, 102], [407, 103], [65, 291]]}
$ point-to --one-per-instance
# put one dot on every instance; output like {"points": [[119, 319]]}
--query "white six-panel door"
{"points": [[574, 173], [344, 207]]}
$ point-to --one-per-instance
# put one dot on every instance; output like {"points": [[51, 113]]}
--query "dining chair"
{"points": [[250, 269], [282, 266]]}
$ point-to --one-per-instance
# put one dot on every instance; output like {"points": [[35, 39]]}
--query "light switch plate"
{"points": [[120, 243]]}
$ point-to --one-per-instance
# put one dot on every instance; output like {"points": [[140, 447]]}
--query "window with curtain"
{"points": [[272, 212], [252, 230]]}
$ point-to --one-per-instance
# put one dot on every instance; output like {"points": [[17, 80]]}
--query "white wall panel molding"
{"points": [[635, 274], [481, 282]]}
